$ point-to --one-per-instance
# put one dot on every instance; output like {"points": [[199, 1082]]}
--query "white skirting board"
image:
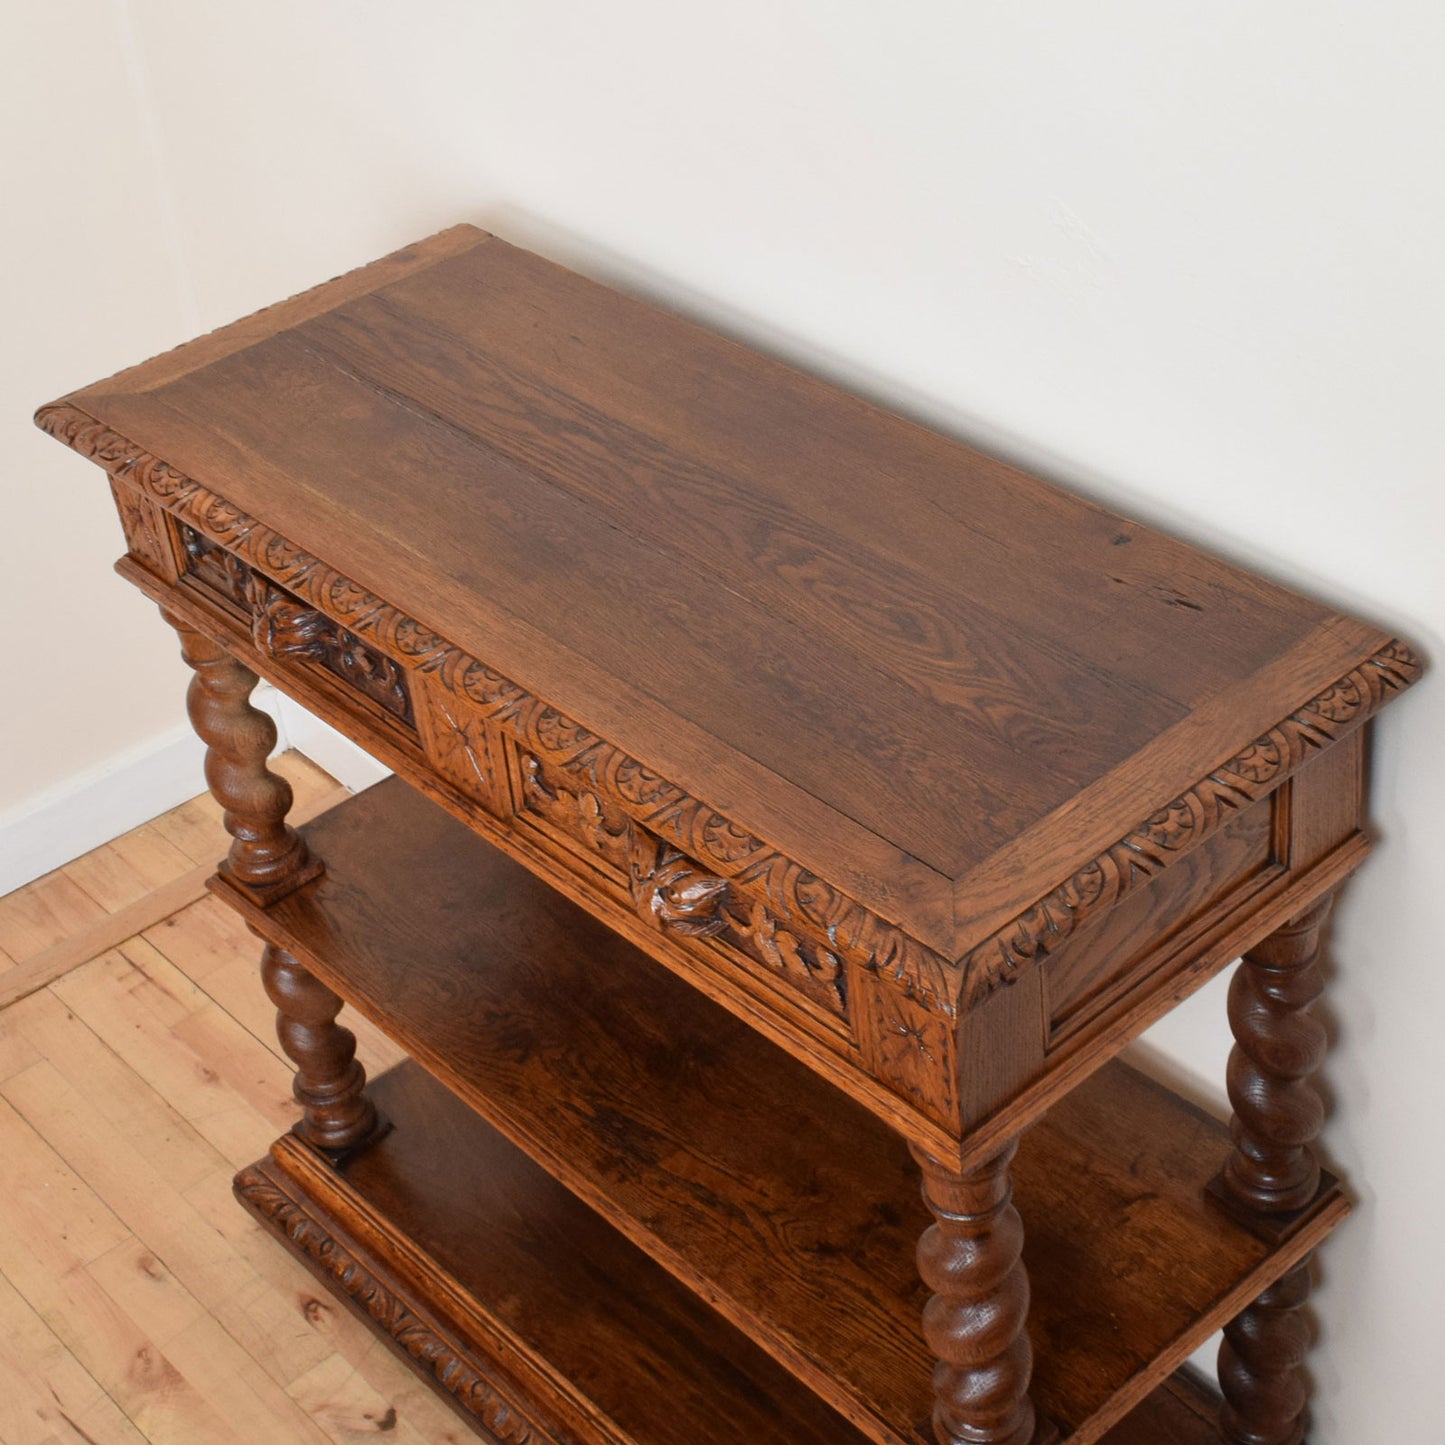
{"points": [[130, 789], [353, 767]]}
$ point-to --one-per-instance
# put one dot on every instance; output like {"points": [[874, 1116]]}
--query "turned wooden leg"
{"points": [[336, 1114], [1278, 1045], [268, 859], [975, 1321], [1261, 1366], [1272, 1170]]}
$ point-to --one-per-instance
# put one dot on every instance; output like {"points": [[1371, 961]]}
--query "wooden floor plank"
{"points": [[137, 1114], [231, 1381], [44, 913], [341, 1398], [180, 1247], [52, 1228], [16, 1050], [141, 1303], [121, 872], [45, 1392], [196, 829], [122, 1003], [131, 917]]}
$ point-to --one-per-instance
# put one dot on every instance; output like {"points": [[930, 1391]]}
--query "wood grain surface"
{"points": [[558, 1327], [776, 1197], [855, 637]]}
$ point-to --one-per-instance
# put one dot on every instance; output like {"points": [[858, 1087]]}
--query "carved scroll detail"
{"points": [[284, 626], [812, 908], [480, 1397], [671, 891], [578, 813], [677, 894], [807, 966]]}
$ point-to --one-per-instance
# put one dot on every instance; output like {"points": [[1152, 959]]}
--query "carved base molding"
{"points": [[275, 1191], [532, 1317]]}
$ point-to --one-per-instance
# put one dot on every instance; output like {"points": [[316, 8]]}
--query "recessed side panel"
{"points": [[1155, 927]]}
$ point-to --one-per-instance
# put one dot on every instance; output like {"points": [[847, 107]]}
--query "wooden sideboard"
{"points": [[796, 812]]}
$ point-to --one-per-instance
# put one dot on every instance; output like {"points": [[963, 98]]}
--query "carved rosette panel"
{"points": [[811, 908], [144, 526], [463, 747], [913, 1051], [282, 626], [483, 1399]]}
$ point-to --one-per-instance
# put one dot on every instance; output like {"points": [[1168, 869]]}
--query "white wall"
{"points": [[90, 279], [1184, 258]]}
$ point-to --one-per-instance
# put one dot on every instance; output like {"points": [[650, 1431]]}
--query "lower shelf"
{"points": [[538, 1321], [759, 1188]]}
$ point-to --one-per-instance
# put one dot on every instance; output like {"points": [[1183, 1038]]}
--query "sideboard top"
{"points": [[943, 685]]}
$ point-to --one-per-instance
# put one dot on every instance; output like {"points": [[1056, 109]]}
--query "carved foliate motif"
{"points": [[811, 907], [578, 814], [220, 570], [675, 893], [1188, 821], [480, 1397], [808, 967], [671, 891], [283, 625]]}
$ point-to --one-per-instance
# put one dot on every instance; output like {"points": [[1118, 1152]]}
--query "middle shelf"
{"points": [[775, 1197]]}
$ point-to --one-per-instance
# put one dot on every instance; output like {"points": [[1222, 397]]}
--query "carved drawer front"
{"points": [[683, 899], [289, 630]]}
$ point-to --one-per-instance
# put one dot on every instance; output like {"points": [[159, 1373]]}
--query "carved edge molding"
{"points": [[806, 901], [1190, 819], [477, 1395]]}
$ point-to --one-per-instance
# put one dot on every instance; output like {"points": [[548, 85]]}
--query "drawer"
{"points": [[712, 916], [289, 630], [532, 777]]}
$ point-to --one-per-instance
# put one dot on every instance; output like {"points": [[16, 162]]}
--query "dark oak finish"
{"points": [[336, 1114], [1278, 1045], [268, 858], [1261, 1365], [976, 1319], [979, 686], [941, 782], [557, 1328], [791, 1209], [558, 1310]]}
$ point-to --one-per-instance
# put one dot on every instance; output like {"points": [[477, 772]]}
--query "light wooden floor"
{"points": [[137, 1300]]}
